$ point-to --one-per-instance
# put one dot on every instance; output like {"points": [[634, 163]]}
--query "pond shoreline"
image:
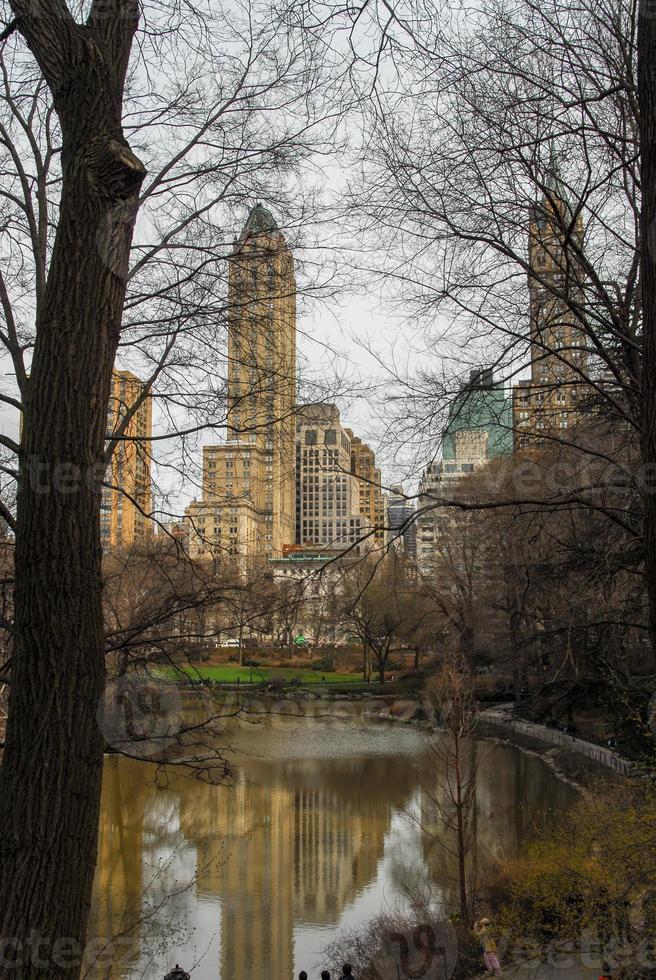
{"points": [[574, 761], [571, 761]]}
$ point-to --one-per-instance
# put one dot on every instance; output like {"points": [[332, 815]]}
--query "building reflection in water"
{"points": [[515, 796], [291, 843]]}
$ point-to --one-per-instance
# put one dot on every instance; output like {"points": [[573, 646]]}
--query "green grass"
{"points": [[230, 674]]}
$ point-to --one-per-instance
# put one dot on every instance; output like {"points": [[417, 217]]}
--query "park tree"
{"points": [[448, 821], [646, 97], [96, 128], [480, 126], [552, 596], [50, 787], [384, 608], [592, 872]]}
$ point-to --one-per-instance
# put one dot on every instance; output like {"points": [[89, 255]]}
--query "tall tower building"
{"points": [[249, 481], [548, 404], [126, 504]]}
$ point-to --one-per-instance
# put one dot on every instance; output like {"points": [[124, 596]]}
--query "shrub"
{"points": [[392, 946]]}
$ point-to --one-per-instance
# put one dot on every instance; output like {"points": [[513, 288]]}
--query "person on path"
{"points": [[347, 972], [490, 959], [302, 975], [177, 973], [325, 975]]}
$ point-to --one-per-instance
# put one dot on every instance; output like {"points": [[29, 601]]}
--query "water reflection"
{"points": [[250, 880]]}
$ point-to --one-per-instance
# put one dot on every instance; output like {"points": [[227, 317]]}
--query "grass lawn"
{"points": [[230, 674]]}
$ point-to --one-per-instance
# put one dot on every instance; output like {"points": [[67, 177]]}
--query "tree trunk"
{"points": [[467, 641], [51, 773], [461, 843], [647, 101]]}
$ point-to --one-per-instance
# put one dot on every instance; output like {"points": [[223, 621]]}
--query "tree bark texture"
{"points": [[647, 103], [50, 780]]}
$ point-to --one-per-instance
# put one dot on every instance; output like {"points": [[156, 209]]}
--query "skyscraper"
{"points": [[401, 525], [126, 502], [248, 481], [545, 406]]}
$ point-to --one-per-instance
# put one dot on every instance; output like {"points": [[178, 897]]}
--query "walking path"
{"points": [[503, 716], [583, 965]]}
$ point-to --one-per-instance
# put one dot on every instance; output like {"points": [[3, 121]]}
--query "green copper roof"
{"points": [[555, 191], [260, 219], [481, 406]]}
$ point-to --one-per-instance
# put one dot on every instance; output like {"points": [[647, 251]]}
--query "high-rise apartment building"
{"points": [[248, 481], [127, 500], [401, 526], [480, 406], [548, 404], [479, 430], [370, 491], [327, 496]]}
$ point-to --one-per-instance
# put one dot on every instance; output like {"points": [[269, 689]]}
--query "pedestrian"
{"points": [[302, 975], [177, 973], [490, 959], [347, 971], [325, 975]]}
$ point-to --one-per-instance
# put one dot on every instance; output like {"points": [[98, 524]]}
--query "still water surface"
{"points": [[317, 832]]}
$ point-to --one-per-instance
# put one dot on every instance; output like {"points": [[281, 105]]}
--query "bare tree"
{"points": [[449, 820], [91, 133], [646, 50], [384, 608], [482, 129]]}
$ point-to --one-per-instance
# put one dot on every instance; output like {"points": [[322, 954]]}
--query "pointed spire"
{"points": [[260, 220], [554, 181], [555, 191]]}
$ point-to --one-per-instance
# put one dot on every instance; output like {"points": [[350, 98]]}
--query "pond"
{"points": [[318, 830]]}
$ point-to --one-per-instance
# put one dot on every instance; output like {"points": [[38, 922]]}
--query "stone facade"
{"points": [[548, 404], [126, 504], [248, 481], [327, 494], [370, 492]]}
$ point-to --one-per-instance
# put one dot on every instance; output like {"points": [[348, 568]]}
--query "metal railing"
{"points": [[549, 736]]}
